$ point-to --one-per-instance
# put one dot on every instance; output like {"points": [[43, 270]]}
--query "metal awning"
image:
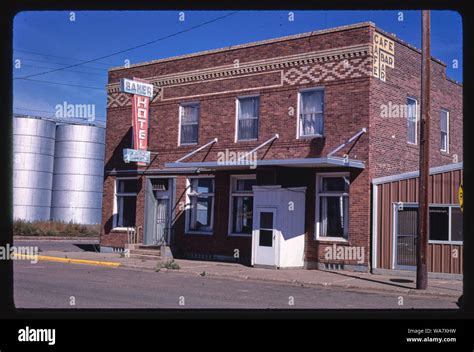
{"points": [[304, 162]]}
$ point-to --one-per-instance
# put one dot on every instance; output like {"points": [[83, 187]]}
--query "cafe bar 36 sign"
{"points": [[142, 92], [383, 55]]}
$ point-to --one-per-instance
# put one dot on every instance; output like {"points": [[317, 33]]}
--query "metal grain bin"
{"points": [[78, 174], [33, 159]]}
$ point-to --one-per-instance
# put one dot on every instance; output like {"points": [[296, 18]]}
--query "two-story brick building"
{"points": [[266, 152]]}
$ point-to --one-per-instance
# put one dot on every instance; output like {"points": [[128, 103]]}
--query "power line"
{"points": [[84, 72], [60, 63], [47, 111], [134, 47], [60, 84], [61, 57]]}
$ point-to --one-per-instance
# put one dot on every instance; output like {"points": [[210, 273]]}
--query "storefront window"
{"points": [[201, 204], [445, 224], [333, 205], [126, 198], [242, 204]]}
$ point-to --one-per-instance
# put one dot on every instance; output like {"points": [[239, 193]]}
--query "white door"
{"points": [[264, 236]]}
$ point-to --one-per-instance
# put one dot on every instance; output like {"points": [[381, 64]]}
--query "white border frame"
{"points": [[187, 207], [115, 204], [317, 222], [180, 110], [232, 179], [298, 108]]}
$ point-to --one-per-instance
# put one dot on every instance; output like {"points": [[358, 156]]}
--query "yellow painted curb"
{"points": [[67, 260]]}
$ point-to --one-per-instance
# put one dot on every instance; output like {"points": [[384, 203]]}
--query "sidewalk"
{"points": [[339, 278]]}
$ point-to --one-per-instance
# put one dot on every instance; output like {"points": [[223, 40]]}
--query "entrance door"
{"points": [[264, 236], [159, 193], [405, 236], [162, 228]]}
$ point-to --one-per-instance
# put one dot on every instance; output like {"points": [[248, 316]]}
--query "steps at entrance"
{"points": [[145, 253]]}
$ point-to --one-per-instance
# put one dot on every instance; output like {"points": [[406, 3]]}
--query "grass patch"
{"points": [[169, 264], [54, 228]]}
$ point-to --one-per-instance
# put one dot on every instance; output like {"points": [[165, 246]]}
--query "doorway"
{"points": [[405, 237], [264, 232], [158, 213]]}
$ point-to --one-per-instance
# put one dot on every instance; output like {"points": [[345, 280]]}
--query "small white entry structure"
{"points": [[278, 234]]}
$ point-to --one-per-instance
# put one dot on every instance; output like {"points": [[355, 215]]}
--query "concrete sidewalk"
{"points": [[344, 279]]}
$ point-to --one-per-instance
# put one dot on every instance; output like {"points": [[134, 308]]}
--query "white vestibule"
{"points": [[278, 235]]}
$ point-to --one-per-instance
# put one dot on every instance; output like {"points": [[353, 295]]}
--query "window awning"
{"points": [[295, 163]]}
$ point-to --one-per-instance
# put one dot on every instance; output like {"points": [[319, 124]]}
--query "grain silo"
{"points": [[78, 174], [33, 160]]}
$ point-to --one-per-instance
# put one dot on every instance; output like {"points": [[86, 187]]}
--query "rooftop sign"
{"points": [[136, 87]]}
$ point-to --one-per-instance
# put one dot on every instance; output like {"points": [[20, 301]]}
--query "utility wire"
{"points": [[47, 111], [84, 72], [59, 84], [134, 47], [61, 63], [61, 57]]}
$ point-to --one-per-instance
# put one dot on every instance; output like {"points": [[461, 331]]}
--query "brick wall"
{"points": [[352, 99], [390, 152]]}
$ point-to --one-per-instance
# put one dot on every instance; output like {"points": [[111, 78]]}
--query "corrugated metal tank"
{"points": [[33, 160], [78, 174]]}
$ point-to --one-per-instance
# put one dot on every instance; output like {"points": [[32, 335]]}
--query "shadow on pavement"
{"points": [[88, 247]]}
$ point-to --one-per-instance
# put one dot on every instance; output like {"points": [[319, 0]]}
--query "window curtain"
{"points": [[189, 124], [312, 112], [248, 118]]}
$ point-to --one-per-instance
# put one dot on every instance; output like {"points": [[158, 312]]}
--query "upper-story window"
{"points": [[444, 130], [311, 113], [188, 123], [412, 120], [247, 118]]}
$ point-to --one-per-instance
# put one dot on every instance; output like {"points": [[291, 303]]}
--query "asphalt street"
{"points": [[58, 285]]}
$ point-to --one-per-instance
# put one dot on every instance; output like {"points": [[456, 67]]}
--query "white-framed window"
{"points": [[188, 123], [445, 224], [412, 120], [200, 209], [332, 206], [241, 205], [247, 118], [444, 130], [310, 112], [125, 203]]}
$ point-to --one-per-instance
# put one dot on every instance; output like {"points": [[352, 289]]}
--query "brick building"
{"points": [[303, 124]]}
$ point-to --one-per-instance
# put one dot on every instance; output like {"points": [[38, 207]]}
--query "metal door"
{"points": [[405, 235], [162, 227]]}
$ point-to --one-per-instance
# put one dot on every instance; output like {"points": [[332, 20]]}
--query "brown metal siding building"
{"points": [[399, 193]]}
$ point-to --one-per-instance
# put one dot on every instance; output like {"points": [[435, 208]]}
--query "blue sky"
{"points": [[96, 34]]}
